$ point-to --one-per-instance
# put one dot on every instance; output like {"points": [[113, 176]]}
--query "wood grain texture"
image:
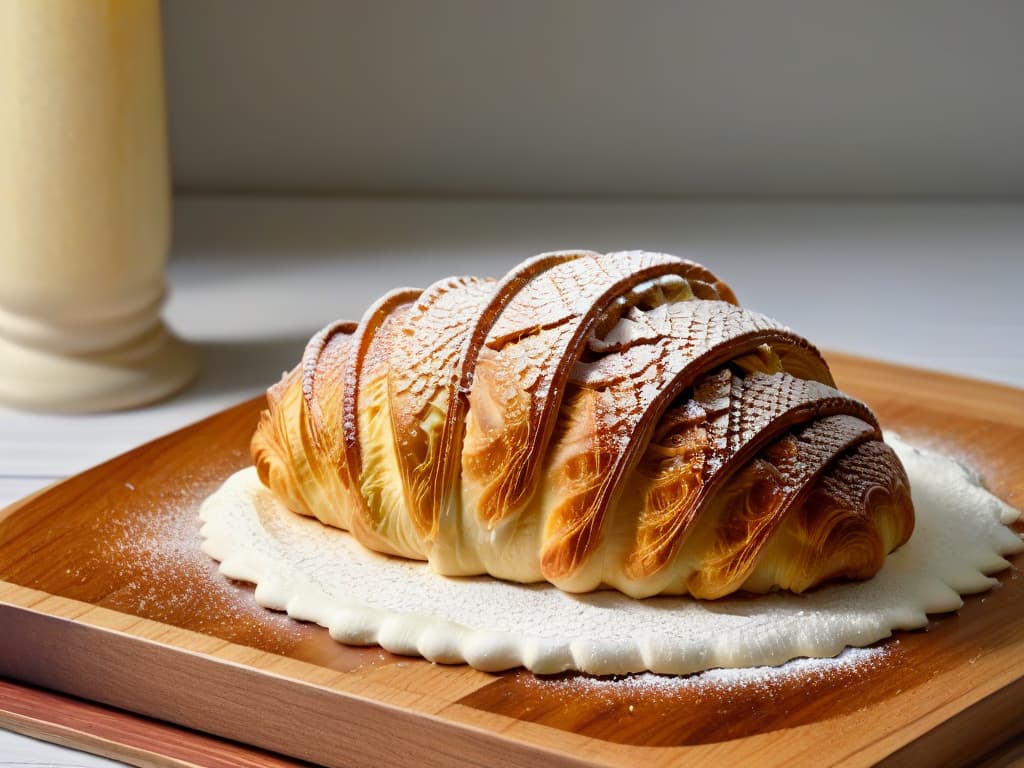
{"points": [[105, 595], [122, 735]]}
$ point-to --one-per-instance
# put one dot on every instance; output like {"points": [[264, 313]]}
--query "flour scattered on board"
{"points": [[320, 574], [153, 557], [767, 681]]}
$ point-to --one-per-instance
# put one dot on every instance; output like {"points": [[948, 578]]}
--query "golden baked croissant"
{"points": [[592, 420]]}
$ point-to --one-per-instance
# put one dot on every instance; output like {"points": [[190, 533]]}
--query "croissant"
{"points": [[591, 420]]}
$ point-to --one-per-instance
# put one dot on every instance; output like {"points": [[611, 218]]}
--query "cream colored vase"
{"points": [[84, 207]]}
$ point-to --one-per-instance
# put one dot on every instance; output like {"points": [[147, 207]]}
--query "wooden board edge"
{"points": [[944, 379], [992, 722], [85, 741], [89, 663], [991, 400], [120, 735], [187, 641], [117, 741], [24, 501], [1008, 755]]}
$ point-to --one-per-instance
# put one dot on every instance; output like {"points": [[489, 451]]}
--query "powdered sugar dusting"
{"points": [[154, 559], [765, 681], [320, 574]]}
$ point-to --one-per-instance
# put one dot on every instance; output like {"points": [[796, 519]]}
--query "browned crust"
{"points": [[294, 435], [789, 468], [319, 364], [374, 317], [854, 515], [572, 315], [633, 410], [658, 540], [456, 357], [423, 372], [574, 528], [371, 342]]}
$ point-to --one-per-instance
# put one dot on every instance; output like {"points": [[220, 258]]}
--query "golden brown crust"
{"points": [[628, 391], [530, 355], [734, 417], [590, 419], [755, 502], [434, 369], [424, 370], [361, 362]]}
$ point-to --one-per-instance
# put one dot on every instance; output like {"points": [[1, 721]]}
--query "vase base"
{"points": [[150, 368]]}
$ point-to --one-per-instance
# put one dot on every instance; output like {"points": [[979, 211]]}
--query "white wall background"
{"points": [[721, 98]]}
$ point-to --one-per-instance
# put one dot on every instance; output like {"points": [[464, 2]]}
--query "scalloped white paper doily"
{"points": [[320, 574]]}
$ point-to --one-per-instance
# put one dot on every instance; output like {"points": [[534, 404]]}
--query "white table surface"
{"points": [[936, 286]]}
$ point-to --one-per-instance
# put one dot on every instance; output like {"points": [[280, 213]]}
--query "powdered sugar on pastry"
{"points": [[317, 573]]}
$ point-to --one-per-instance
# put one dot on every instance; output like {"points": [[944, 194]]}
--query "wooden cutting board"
{"points": [[105, 595]]}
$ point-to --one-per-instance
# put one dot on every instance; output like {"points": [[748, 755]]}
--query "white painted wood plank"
{"points": [[17, 751]]}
